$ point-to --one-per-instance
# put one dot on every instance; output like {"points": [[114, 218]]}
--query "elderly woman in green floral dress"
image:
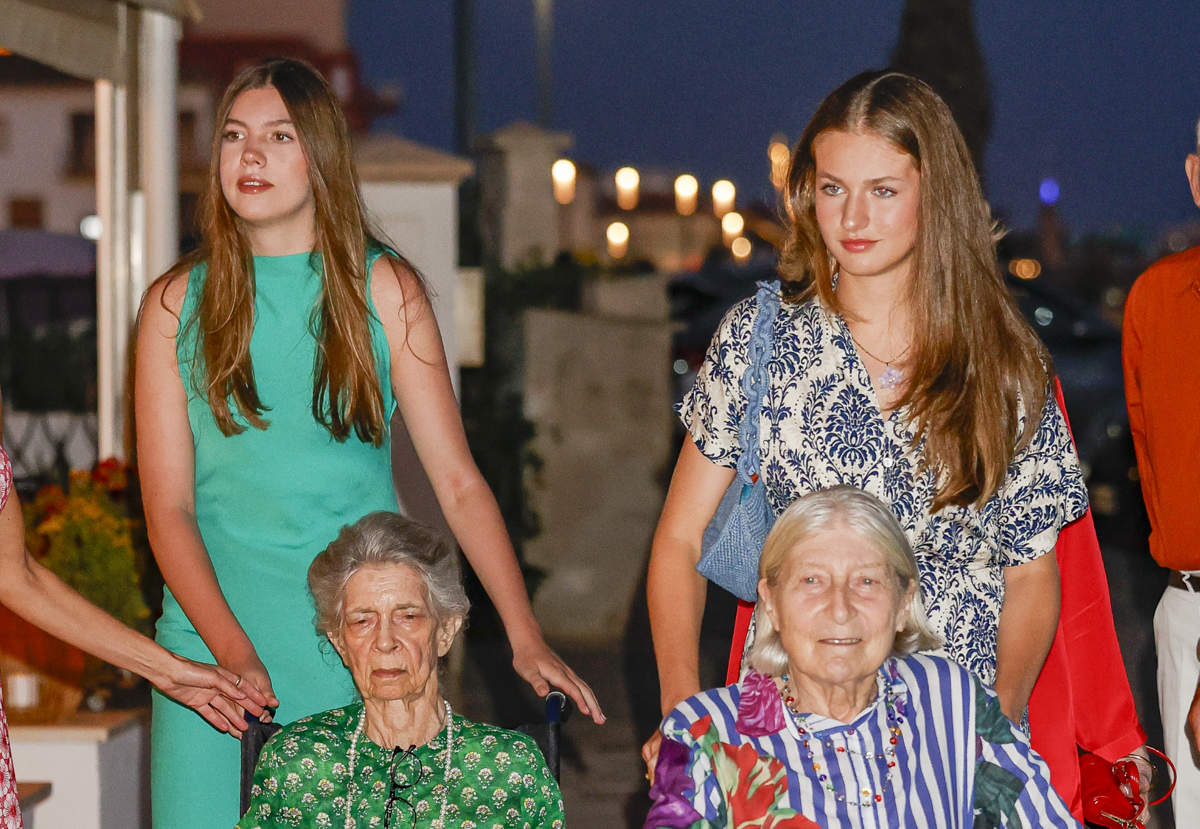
{"points": [[388, 598]]}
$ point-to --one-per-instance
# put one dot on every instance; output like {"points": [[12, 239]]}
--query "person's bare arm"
{"points": [[675, 592], [166, 467], [37, 595], [1026, 630], [421, 382]]}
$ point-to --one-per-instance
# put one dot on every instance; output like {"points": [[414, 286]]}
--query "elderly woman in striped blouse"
{"points": [[840, 721]]}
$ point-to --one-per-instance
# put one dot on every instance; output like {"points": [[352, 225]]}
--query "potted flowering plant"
{"points": [[91, 535]]}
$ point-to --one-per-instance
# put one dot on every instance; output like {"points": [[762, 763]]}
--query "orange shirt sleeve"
{"points": [[1131, 362]]}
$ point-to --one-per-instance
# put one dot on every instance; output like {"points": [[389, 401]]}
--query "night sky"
{"points": [[1103, 95]]}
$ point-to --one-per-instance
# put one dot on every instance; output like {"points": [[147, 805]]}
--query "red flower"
{"points": [[50, 500], [761, 785], [111, 474]]}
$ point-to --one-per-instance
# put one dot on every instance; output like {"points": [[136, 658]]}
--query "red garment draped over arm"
{"points": [[1082, 698]]}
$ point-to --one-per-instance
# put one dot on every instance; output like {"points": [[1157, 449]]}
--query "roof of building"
{"points": [[388, 157], [17, 70]]}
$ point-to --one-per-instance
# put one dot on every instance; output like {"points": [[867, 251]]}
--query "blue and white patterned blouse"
{"points": [[932, 750], [821, 427]]}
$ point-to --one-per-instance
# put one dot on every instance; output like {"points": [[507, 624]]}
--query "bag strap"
{"points": [[756, 378]]}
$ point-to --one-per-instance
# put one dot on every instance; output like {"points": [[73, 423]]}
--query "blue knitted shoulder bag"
{"points": [[734, 538]]}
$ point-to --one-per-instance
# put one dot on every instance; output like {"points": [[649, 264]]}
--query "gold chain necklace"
{"points": [[890, 378]]}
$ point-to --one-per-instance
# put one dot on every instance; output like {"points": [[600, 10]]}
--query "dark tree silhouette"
{"points": [[937, 44]]}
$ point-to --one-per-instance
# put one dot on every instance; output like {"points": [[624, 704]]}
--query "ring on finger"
{"points": [[238, 684]]}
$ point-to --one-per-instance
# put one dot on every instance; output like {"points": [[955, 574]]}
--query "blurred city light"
{"points": [[1025, 268], [740, 247], [627, 180], [618, 239], [686, 190], [90, 227], [732, 225], [723, 195], [563, 174], [780, 155], [1043, 315], [1048, 191], [680, 366]]}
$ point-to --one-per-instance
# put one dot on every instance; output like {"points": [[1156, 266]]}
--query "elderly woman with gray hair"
{"points": [[839, 721], [389, 600]]}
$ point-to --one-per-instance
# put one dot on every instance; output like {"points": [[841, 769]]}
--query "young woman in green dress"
{"points": [[269, 364]]}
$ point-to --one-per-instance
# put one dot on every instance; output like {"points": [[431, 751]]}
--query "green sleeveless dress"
{"points": [[267, 501]]}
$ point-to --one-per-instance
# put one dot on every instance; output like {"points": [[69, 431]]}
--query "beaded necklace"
{"points": [[352, 787], [864, 797]]}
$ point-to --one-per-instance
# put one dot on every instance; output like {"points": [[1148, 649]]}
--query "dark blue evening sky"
{"points": [[1101, 95]]}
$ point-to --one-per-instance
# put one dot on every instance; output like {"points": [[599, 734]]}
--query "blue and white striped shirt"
{"points": [[956, 756]]}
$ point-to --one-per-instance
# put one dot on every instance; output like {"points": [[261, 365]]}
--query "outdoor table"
{"points": [[97, 766]]}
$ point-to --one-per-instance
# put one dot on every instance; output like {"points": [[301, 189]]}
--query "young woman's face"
{"points": [[866, 198], [264, 174]]}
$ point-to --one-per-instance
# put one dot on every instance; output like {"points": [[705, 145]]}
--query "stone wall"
{"points": [[597, 390]]}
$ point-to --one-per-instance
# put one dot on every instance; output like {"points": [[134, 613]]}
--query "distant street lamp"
{"points": [[732, 225], [778, 153], [563, 174], [740, 248], [1025, 268], [618, 239], [627, 180], [90, 227], [686, 190], [1048, 191], [723, 195]]}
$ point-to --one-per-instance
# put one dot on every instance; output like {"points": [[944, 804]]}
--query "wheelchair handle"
{"points": [[558, 707]]}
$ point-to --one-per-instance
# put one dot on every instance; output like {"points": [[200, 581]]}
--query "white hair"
{"points": [[385, 538], [861, 514]]}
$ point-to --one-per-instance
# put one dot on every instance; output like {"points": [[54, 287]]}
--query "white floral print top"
{"points": [[821, 426]]}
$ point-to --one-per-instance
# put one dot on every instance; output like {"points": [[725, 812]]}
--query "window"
{"points": [[81, 158], [191, 153], [25, 212]]}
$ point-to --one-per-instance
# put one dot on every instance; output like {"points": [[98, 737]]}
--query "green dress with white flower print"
{"points": [[497, 778]]}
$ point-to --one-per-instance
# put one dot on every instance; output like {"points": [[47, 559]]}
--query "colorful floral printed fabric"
{"points": [[754, 787], [10, 806], [943, 755], [497, 779], [821, 426]]}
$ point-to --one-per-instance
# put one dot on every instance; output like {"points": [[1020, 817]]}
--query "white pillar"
{"points": [[158, 145], [112, 261]]}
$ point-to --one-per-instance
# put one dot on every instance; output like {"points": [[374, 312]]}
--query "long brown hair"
{"points": [[977, 366], [346, 392]]}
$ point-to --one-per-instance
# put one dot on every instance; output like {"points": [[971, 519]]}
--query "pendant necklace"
{"points": [[890, 378], [352, 787], [863, 797]]}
